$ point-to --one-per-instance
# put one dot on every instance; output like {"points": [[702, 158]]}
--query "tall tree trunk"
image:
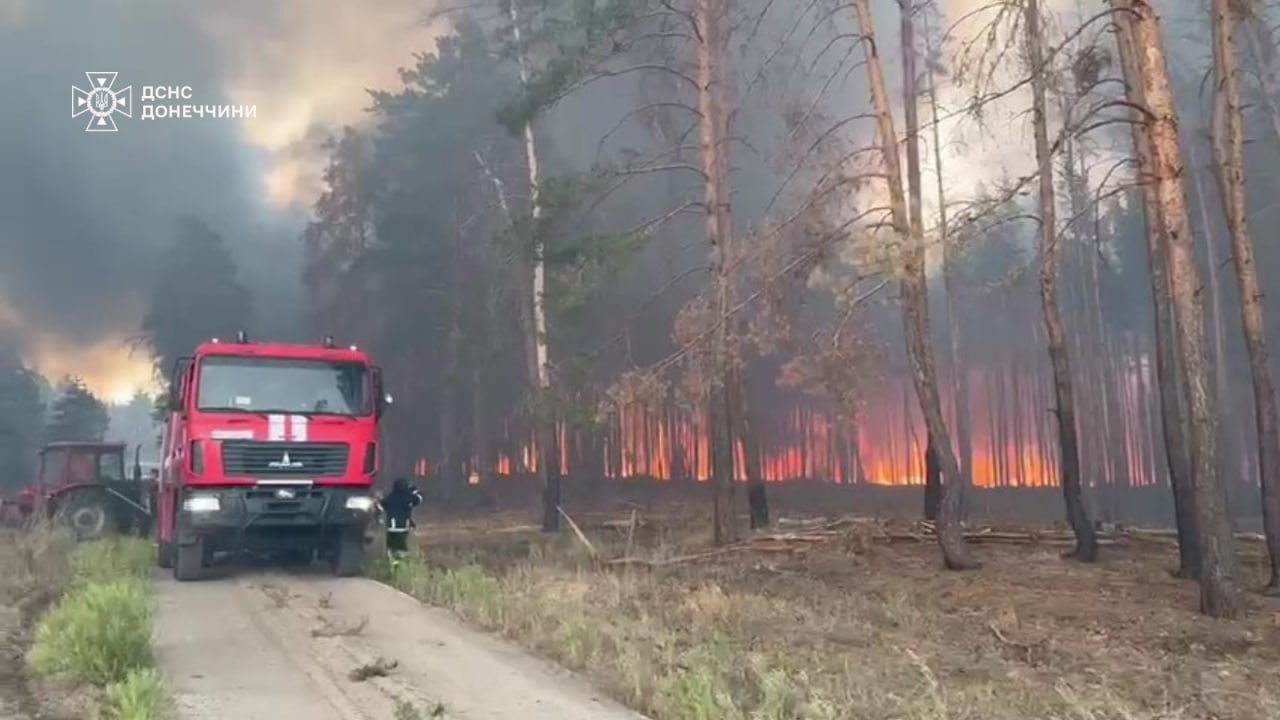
{"points": [[1086, 549], [1263, 51], [746, 431], [959, 373], [915, 212], [540, 370], [1228, 146], [1234, 441], [915, 307], [1219, 593], [1172, 421], [711, 19]]}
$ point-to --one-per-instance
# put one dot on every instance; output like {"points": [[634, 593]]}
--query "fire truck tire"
{"points": [[348, 558], [164, 555], [189, 563]]}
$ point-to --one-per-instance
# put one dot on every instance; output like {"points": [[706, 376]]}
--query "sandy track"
{"points": [[281, 646]]}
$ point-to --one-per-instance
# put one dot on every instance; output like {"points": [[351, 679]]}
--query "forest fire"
{"points": [[1012, 445]]}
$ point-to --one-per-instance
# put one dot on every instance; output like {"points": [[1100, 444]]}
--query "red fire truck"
{"points": [[269, 449]]}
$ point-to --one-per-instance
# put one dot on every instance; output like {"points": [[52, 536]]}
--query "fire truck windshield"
{"points": [[286, 385]]}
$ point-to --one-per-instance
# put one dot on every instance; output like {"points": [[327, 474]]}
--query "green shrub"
{"points": [[140, 696], [113, 559], [97, 633]]}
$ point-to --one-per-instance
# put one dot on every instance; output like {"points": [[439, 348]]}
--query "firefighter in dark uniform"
{"points": [[397, 507]]}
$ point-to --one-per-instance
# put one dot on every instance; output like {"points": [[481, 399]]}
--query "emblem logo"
{"points": [[284, 463], [286, 494], [101, 101]]}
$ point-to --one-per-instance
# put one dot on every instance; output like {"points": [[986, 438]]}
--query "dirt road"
{"points": [[283, 646]]}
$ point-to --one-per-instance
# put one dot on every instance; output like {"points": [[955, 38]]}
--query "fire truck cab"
{"points": [[269, 449]]}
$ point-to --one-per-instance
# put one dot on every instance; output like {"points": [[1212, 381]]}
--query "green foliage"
{"points": [[77, 414], [112, 559], [197, 295], [21, 423], [98, 633], [564, 43], [142, 695]]}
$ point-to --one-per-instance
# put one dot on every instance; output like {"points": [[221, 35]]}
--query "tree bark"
{"points": [[1228, 146], [915, 211], [915, 307], [757, 497], [1172, 420], [712, 23], [540, 372], [1264, 54], [1219, 593], [1086, 549], [959, 375]]}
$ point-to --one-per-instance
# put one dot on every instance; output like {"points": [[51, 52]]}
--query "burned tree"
{"points": [[1219, 594], [1086, 549], [915, 211], [1172, 421], [915, 305], [1228, 151]]}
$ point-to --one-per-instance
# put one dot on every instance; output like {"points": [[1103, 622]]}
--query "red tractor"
{"points": [[83, 486]]}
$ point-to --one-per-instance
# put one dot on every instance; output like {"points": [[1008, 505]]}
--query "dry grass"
{"points": [[80, 614], [855, 629]]}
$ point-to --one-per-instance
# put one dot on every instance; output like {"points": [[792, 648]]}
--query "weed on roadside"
{"points": [[99, 633], [142, 695], [96, 634], [112, 559]]}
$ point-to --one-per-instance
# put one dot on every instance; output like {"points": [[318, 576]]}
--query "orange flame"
{"points": [[884, 445]]}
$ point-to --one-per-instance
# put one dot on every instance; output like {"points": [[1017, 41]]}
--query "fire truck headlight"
{"points": [[202, 503], [360, 503]]}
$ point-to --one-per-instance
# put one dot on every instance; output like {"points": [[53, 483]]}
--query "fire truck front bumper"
{"points": [[264, 508]]}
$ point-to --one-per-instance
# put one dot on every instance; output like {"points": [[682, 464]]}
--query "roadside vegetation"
{"points": [[851, 627], [90, 652]]}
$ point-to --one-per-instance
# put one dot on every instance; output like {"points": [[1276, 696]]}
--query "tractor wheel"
{"points": [[87, 514]]}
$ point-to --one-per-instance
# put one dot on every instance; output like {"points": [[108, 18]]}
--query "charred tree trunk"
{"points": [[757, 498], [932, 483], [1086, 549], [915, 307], [480, 427], [915, 211], [712, 23], [1228, 146], [1219, 593], [1172, 420], [540, 370], [959, 374]]}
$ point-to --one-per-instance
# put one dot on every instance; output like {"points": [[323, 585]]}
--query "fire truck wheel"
{"points": [[86, 514], [189, 564], [348, 560]]}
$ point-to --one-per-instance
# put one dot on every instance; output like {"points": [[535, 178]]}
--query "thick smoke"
{"points": [[82, 215]]}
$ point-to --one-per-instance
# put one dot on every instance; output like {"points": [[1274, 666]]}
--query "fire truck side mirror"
{"points": [[381, 398], [175, 383]]}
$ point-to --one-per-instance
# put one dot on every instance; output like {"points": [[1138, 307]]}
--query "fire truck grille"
{"points": [[284, 460]]}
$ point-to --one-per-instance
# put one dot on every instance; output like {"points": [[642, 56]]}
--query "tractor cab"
{"points": [[67, 464], [84, 485]]}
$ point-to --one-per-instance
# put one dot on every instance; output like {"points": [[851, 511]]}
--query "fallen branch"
{"points": [[578, 531]]}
